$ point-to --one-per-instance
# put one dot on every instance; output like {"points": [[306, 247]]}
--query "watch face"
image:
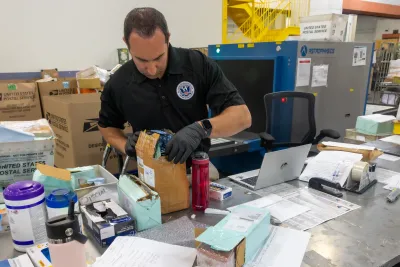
{"points": [[207, 125]]}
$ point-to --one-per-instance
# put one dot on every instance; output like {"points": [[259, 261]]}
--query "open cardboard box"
{"points": [[240, 249], [63, 174]]}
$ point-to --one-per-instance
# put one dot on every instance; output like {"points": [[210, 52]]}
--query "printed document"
{"points": [[280, 208], [284, 247], [140, 252]]}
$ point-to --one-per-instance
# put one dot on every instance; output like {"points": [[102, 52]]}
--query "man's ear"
{"points": [[167, 37]]}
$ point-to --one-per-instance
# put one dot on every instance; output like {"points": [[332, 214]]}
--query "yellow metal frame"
{"points": [[257, 20]]}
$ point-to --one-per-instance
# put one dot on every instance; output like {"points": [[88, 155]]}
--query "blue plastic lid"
{"points": [[60, 198]]}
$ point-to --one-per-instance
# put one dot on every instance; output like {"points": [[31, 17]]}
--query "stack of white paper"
{"points": [[333, 166], [395, 139]]}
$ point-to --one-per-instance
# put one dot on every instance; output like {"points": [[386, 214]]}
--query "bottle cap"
{"points": [[60, 198], [65, 227], [200, 157]]}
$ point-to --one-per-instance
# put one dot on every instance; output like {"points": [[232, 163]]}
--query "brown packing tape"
{"points": [[57, 173], [368, 155], [240, 253], [197, 233]]}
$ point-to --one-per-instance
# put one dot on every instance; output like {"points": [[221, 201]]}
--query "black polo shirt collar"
{"points": [[175, 65]]}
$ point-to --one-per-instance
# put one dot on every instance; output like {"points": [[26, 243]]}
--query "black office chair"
{"points": [[290, 121]]}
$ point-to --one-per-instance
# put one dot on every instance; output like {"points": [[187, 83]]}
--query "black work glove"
{"points": [[131, 143], [184, 143]]}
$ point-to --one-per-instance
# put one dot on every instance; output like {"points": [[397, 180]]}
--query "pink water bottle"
{"points": [[200, 181], [66, 243]]}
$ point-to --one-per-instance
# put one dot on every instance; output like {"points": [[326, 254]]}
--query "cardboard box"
{"points": [[56, 88], [118, 223], [166, 178], [74, 119], [330, 27], [141, 203], [49, 73], [244, 231], [67, 175], [363, 138], [19, 102], [220, 192], [18, 159], [39, 255], [375, 124], [89, 83]]}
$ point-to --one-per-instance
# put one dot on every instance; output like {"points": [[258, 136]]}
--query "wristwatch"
{"points": [[207, 126]]}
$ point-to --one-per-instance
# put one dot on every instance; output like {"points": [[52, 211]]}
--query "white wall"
{"points": [[366, 27], [386, 26], [75, 34], [320, 7]]}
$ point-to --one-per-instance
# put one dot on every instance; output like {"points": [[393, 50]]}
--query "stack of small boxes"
{"points": [[370, 128]]}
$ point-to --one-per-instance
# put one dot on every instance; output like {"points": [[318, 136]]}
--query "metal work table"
{"points": [[369, 236]]}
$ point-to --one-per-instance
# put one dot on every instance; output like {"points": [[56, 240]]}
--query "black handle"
{"points": [[316, 183]]}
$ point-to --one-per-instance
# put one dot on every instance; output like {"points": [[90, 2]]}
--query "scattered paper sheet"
{"points": [[392, 182], [389, 157], [303, 72], [284, 247], [360, 56], [20, 261], [281, 190], [140, 252], [285, 210], [345, 145], [261, 202], [323, 207], [333, 166], [384, 175], [281, 209], [320, 76], [395, 139]]}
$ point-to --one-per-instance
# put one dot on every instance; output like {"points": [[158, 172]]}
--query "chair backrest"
{"points": [[290, 118]]}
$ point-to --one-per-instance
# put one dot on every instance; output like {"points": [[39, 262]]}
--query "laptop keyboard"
{"points": [[251, 181]]}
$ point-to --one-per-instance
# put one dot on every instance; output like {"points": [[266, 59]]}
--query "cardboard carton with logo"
{"points": [[74, 119], [19, 154], [19, 102], [54, 88]]}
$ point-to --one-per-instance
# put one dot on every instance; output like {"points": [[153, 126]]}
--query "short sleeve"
{"points": [[110, 115], [221, 92]]}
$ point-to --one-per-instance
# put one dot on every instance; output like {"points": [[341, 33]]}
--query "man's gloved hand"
{"points": [[131, 143], [184, 142]]}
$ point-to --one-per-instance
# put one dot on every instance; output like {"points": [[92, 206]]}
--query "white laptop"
{"points": [[277, 167]]}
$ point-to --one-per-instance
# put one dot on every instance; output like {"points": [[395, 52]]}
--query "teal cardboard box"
{"points": [[244, 223], [375, 124], [141, 203]]}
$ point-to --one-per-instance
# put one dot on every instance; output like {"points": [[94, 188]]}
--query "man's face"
{"points": [[150, 55]]}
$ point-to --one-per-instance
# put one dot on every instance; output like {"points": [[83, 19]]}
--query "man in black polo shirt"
{"points": [[164, 87]]}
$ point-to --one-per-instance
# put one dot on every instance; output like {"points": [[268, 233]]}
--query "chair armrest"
{"points": [[326, 133], [330, 133], [267, 140]]}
